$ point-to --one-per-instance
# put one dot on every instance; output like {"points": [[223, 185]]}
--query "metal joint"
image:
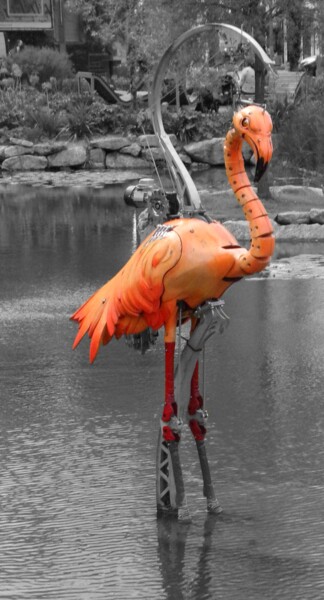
{"points": [[175, 424], [201, 416]]}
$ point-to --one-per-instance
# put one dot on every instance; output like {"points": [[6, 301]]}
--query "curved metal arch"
{"points": [[187, 192]]}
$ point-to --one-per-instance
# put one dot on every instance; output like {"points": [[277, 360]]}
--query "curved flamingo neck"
{"points": [[235, 168], [262, 240]]}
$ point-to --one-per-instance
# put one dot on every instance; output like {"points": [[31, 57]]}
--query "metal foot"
{"points": [[170, 492], [214, 508], [213, 505]]}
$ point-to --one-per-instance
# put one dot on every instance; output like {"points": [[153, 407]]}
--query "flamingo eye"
{"points": [[245, 122]]}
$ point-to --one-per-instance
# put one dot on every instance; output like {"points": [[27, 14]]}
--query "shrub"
{"points": [[278, 110], [44, 120], [14, 103], [45, 62], [301, 136], [79, 118], [190, 125], [86, 114]]}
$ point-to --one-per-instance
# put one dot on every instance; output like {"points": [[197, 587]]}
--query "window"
{"points": [[25, 7]]}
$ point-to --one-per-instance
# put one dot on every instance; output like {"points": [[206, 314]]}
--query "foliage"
{"points": [[190, 125], [44, 119], [316, 88], [44, 62], [14, 103], [278, 110], [301, 136]]}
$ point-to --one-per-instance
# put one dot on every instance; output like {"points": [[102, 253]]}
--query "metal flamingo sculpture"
{"points": [[187, 260]]}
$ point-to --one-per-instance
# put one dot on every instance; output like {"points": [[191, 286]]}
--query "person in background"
{"points": [[18, 47], [247, 81]]}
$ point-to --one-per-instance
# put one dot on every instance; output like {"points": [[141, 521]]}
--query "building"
{"points": [[50, 23], [39, 22]]}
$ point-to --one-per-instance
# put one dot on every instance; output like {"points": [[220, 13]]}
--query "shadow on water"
{"points": [[77, 443]]}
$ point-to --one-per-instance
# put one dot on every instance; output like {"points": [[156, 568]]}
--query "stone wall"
{"points": [[108, 152]]}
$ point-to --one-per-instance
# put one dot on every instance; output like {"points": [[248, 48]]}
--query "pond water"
{"points": [[77, 442]]}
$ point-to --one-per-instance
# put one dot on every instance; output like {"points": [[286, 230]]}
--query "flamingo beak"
{"points": [[263, 156]]}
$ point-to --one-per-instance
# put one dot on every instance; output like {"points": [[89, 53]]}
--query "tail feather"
{"points": [[98, 333], [94, 317]]}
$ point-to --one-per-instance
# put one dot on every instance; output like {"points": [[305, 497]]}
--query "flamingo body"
{"points": [[187, 259]]}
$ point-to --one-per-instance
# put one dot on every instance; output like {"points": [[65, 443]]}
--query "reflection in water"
{"points": [[77, 443]]}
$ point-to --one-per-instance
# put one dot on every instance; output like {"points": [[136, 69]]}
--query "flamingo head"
{"points": [[254, 125]]}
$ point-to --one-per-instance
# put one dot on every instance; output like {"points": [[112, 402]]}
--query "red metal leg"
{"points": [[171, 496], [170, 407]]}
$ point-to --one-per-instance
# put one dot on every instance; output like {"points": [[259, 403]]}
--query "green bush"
{"points": [[14, 103], [301, 136], [44, 120], [190, 125], [45, 62]]}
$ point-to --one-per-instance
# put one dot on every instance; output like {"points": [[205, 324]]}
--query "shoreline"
{"points": [[297, 212], [293, 226]]}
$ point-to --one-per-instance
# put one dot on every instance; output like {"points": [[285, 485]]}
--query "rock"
{"points": [[17, 151], [152, 141], [2, 152], [316, 215], [196, 166], [46, 148], [97, 158], [114, 160], [153, 153], [134, 149], [25, 162], [304, 266], [207, 151], [241, 229], [185, 158], [20, 142], [212, 151], [247, 153], [305, 233], [110, 143], [73, 156], [296, 194], [293, 218]]}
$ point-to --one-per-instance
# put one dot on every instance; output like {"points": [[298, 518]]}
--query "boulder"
{"points": [[305, 233], [212, 151], [46, 148], [207, 151], [293, 218], [134, 149], [241, 229], [152, 141], [97, 158], [198, 166], [247, 153], [25, 162], [73, 156], [115, 160], [20, 142], [185, 159], [316, 215], [110, 143], [296, 194], [153, 153], [2, 152], [17, 151]]}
